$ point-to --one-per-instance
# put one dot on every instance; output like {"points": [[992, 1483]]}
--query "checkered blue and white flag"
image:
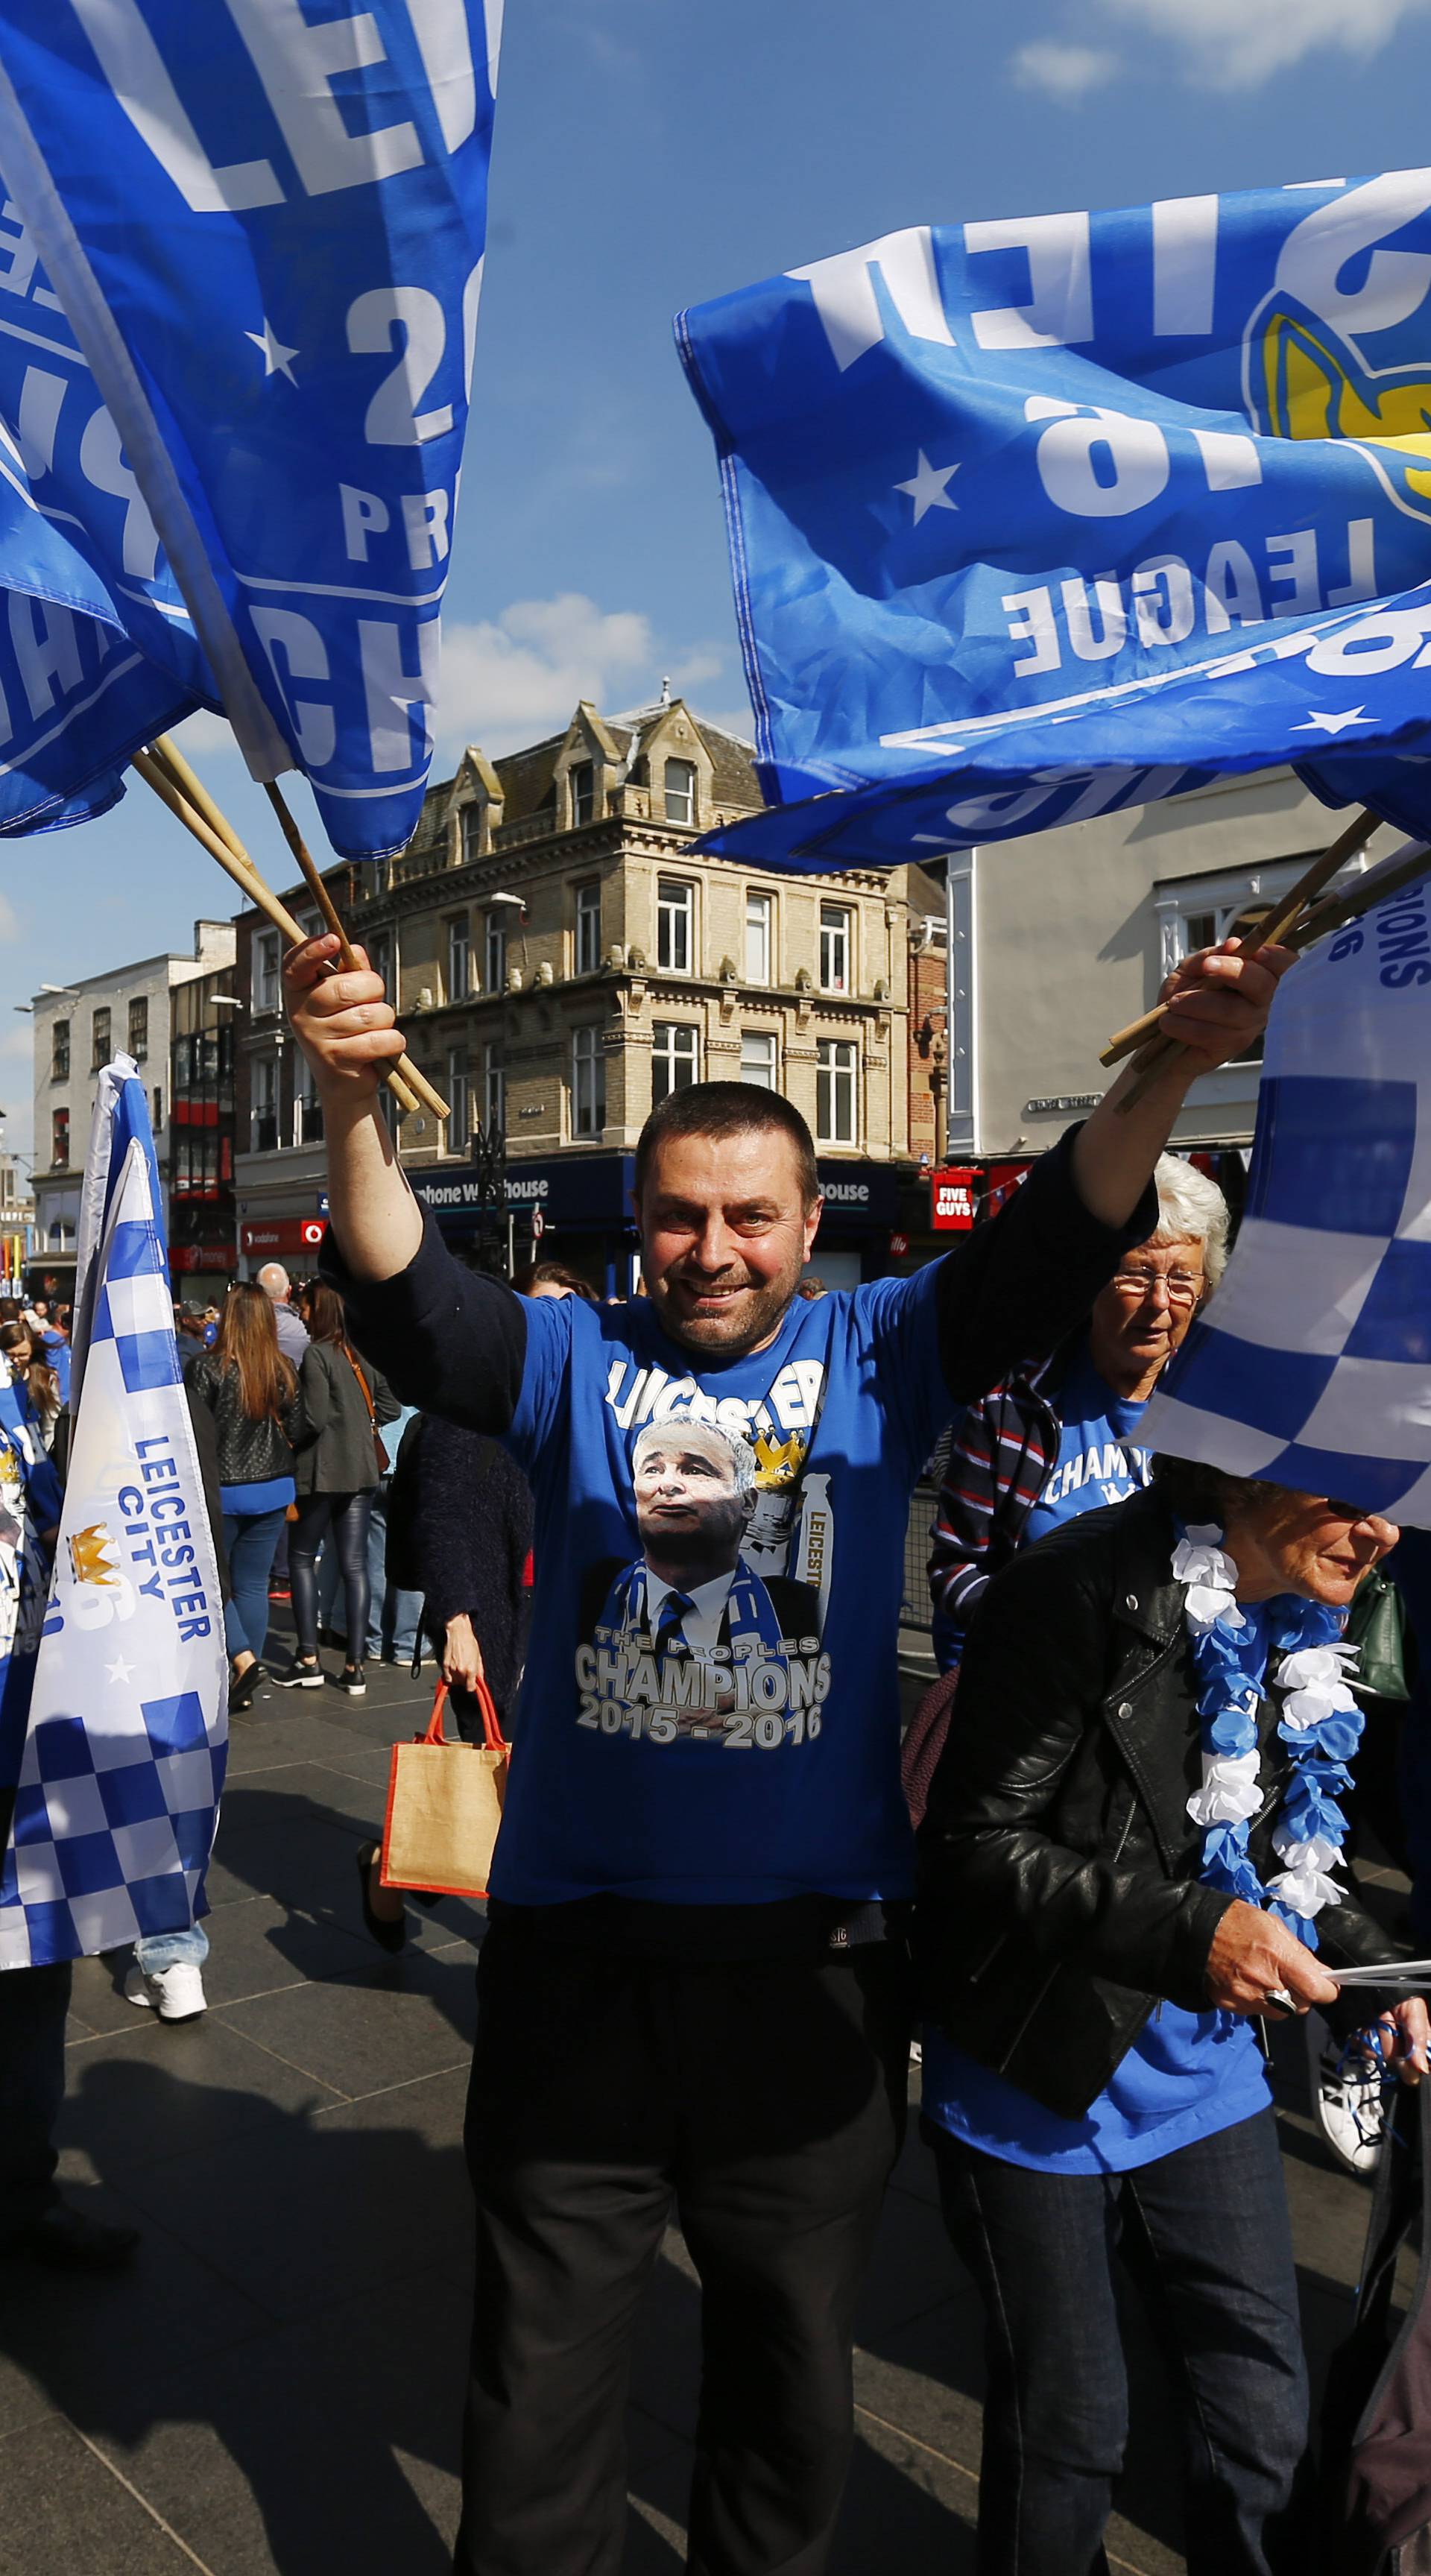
{"points": [[1312, 1364], [124, 1761]]}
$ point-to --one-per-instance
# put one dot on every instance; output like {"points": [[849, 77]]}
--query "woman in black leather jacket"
{"points": [[252, 1393], [1091, 2078]]}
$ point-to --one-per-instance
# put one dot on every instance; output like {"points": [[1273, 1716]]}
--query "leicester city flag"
{"points": [[123, 1762], [1312, 1364], [236, 349], [1030, 519]]}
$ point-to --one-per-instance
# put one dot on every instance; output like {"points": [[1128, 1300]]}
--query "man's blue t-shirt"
{"points": [[710, 1710], [1098, 1460]]}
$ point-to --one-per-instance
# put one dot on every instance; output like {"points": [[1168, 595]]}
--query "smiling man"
{"points": [[693, 1994]]}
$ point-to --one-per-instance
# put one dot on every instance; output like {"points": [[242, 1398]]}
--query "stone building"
{"points": [[78, 1029], [562, 957]]}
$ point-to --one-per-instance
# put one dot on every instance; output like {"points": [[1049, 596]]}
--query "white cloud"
{"points": [[510, 680], [1063, 71], [1224, 44]]}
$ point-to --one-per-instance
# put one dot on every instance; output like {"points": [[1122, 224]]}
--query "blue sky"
{"points": [[650, 153]]}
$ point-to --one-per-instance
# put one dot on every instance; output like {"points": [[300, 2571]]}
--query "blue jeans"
{"points": [[1206, 2232], [393, 1614], [33, 2005], [161, 1950], [250, 1539]]}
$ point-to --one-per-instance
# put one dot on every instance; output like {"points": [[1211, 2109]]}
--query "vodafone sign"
{"points": [[952, 1192], [283, 1234]]}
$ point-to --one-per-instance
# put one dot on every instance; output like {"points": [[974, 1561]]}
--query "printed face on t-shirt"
{"points": [[690, 1507]]}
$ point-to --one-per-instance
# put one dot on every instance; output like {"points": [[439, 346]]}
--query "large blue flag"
{"points": [[87, 671], [248, 261], [77, 698], [1032, 519], [123, 1762]]}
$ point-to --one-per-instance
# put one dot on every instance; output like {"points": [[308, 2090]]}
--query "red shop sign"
{"points": [[952, 1195], [283, 1234]]}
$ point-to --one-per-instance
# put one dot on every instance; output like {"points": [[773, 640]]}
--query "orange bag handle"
{"points": [[491, 1724]]}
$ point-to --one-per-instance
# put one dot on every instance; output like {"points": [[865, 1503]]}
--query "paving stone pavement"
{"points": [[276, 2384]]}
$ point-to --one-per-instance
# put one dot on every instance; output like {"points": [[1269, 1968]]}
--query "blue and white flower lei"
{"points": [[1320, 1722]]}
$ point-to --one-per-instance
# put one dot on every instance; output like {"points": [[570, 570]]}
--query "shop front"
{"points": [[574, 1208], [293, 1240], [861, 1224], [581, 1204]]}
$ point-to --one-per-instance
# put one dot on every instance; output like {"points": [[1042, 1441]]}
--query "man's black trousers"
{"points": [[760, 2102]]}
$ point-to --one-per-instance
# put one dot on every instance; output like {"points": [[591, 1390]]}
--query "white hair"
{"points": [[1191, 1209], [273, 1279], [680, 1430]]}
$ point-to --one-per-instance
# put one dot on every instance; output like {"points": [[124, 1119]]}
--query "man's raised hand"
{"points": [[1218, 999], [343, 1022]]}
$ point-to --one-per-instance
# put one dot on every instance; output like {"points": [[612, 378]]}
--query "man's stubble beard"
{"points": [[762, 1320]]}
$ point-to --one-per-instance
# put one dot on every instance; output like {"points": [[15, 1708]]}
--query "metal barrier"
{"points": [[916, 1608]]}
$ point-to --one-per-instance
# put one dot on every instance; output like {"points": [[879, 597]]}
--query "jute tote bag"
{"points": [[444, 1806]]}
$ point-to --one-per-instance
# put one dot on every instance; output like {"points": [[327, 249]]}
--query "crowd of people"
{"points": [[667, 1536]]}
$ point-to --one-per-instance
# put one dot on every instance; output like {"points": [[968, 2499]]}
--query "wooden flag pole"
{"points": [[1375, 887], [301, 852], [168, 753], [236, 864], [1279, 921]]}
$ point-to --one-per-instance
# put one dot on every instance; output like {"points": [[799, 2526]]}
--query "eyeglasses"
{"points": [[1183, 1289]]}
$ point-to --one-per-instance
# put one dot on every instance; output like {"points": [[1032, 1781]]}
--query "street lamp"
{"points": [[61, 992]]}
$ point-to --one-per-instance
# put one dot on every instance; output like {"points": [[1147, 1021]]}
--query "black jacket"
{"points": [[1059, 1889], [249, 1452], [337, 1455], [470, 1539]]}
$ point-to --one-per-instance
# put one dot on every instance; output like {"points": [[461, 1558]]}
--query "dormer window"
{"points": [[472, 829], [582, 776], [680, 791]]}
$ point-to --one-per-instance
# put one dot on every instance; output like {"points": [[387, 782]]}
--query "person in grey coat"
{"points": [[273, 1279], [345, 1400]]}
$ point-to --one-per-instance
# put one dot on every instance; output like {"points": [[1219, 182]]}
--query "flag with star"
{"points": [[240, 263], [1032, 519], [116, 1778]]}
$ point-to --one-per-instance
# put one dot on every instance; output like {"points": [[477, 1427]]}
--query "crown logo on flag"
{"points": [[777, 1462], [94, 1555]]}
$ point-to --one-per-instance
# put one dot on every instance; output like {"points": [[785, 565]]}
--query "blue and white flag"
{"points": [[77, 698], [123, 1763], [262, 231], [1312, 1364], [1033, 519]]}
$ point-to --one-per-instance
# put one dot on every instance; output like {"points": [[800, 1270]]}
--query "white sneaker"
{"points": [[1351, 2110], [176, 1994]]}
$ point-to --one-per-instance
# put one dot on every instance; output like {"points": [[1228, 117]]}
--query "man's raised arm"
{"points": [[1217, 1006], [448, 1340], [346, 1028], [1012, 1289]]}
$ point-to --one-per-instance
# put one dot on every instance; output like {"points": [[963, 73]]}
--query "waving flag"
{"points": [[1033, 519], [124, 1759], [244, 287], [77, 698], [1312, 1364]]}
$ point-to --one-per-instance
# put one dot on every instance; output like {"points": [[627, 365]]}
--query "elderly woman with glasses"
{"points": [[1131, 1853], [1061, 1436]]}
